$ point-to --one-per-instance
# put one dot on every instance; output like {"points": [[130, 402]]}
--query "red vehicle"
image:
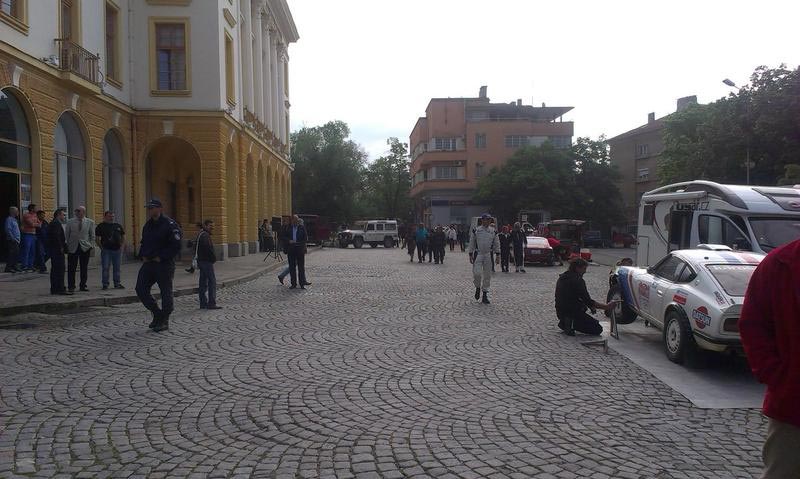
{"points": [[538, 250], [316, 228]]}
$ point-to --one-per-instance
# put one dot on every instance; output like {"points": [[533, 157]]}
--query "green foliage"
{"points": [[792, 176], [570, 183], [711, 141], [328, 170], [387, 181]]}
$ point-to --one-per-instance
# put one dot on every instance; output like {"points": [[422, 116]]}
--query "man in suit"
{"points": [[80, 243], [294, 244], [56, 248]]}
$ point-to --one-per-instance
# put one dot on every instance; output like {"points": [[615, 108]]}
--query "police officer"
{"points": [[573, 300], [161, 241], [482, 245]]}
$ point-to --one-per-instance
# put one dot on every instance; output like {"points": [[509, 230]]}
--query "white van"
{"points": [[745, 218]]}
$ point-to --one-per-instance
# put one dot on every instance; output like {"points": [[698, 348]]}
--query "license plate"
{"points": [[534, 251]]}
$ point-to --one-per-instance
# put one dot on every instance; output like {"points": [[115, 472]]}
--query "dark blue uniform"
{"points": [[161, 241]]}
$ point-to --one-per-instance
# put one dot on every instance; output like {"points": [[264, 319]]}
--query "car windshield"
{"points": [[537, 242], [732, 277], [773, 232]]}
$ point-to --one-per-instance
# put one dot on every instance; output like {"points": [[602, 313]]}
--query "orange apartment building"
{"points": [[461, 139]]}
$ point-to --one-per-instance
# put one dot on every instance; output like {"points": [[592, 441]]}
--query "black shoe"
{"points": [[280, 279], [294, 286], [162, 326], [214, 307], [119, 286], [522, 270], [203, 306], [477, 293], [42, 271], [71, 290], [302, 287], [485, 299], [105, 287], [84, 289], [570, 332], [306, 284], [154, 322]]}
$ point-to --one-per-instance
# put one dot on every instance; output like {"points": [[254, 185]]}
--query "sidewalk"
{"points": [[30, 292]]}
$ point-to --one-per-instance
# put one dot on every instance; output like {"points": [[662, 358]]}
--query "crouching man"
{"points": [[573, 300]]}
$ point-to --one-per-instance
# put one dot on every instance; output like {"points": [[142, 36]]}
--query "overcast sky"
{"points": [[375, 64]]}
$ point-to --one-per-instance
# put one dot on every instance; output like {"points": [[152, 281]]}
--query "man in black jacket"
{"points": [[572, 301], [205, 263], [518, 242], [294, 244], [56, 249]]}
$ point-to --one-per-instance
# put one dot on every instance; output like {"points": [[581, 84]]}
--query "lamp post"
{"points": [[731, 84]]}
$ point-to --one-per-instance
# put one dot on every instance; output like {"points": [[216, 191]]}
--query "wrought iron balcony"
{"points": [[75, 59]]}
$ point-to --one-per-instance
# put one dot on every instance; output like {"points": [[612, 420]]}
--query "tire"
{"points": [[624, 313], [358, 242], [342, 244], [388, 242], [679, 342], [373, 244]]}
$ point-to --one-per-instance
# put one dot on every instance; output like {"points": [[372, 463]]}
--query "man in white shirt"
{"points": [[80, 243]]}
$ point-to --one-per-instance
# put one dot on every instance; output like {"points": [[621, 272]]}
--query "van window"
{"points": [[391, 226], [680, 229], [718, 230], [370, 226], [648, 214], [380, 226]]}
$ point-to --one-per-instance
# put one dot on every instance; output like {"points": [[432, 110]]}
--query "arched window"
{"points": [[15, 149], [113, 179], [70, 164]]}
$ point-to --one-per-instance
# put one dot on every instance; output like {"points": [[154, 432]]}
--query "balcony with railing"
{"points": [[75, 59]]}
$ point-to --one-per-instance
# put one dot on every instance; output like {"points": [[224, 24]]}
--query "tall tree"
{"points": [[387, 181], [328, 169]]}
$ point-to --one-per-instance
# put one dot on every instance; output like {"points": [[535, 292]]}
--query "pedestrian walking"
{"points": [[504, 239], [206, 257], [40, 263], [262, 236], [482, 244], [295, 238], [462, 237], [421, 239], [13, 239], [452, 237], [111, 238], [161, 241], [437, 243], [769, 326], [28, 245], [80, 243], [282, 275], [573, 300], [518, 241], [56, 249], [402, 230], [411, 240]]}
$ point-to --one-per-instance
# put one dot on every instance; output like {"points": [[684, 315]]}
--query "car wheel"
{"points": [[358, 242], [678, 340], [342, 244], [623, 313], [388, 242], [373, 245]]}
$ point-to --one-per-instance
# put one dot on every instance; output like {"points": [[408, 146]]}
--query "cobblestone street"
{"points": [[382, 368]]}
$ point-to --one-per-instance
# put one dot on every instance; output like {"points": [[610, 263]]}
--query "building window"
{"points": [[642, 174], [70, 20], [230, 88], [642, 151], [479, 170], [113, 177], [480, 140], [446, 172], [444, 143], [112, 43], [516, 141], [169, 57], [14, 12], [560, 141], [70, 164]]}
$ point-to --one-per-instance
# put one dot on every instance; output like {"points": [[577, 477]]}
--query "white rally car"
{"points": [[694, 296]]}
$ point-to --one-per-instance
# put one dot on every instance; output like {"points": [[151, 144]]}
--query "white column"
{"points": [[247, 55], [282, 97], [274, 85], [258, 82], [267, 75]]}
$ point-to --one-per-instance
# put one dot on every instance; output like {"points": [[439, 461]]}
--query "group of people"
{"points": [[36, 241]]}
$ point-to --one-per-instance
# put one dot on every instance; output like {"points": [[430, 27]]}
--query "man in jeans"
{"points": [[110, 237], [79, 233], [769, 326], [205, 263], [13, 238], [29, 224]]}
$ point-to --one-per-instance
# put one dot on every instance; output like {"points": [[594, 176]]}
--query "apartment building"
{"points": [[459, 140], [106, 103], [636, 154]]}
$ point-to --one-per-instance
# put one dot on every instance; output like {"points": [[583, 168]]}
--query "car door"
{"points": [[667, 276], [369, 233]]}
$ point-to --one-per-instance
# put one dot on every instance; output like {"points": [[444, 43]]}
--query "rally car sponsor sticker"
{"points": [[680, 297], [701, 317], [719, 298]]}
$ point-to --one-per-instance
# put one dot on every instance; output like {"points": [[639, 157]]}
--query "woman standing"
{"points": [[410, 240]]}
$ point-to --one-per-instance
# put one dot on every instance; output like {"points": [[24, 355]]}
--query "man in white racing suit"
{"points": [[483, 243]]}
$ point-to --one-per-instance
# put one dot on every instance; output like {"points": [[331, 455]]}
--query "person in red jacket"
{"points": [[770, 329]]}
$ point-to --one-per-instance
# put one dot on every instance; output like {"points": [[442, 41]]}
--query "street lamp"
{"points": [[730, 83]]}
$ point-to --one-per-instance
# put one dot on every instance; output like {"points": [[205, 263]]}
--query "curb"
{"points": [[131, 298]]}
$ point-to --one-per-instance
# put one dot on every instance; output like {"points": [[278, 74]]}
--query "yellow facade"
{"points": [[201, 164]]}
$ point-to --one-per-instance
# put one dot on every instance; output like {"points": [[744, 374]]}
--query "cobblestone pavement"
{"points": [[380, 369]]}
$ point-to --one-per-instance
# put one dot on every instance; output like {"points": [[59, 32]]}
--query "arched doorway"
{"points": [[70, 163], [261, 197], [113, 176], [15, 158], [232, 198], [173, 176], [252, 206]]}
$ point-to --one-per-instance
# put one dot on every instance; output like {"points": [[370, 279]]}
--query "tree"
{"points": [[328, 170], [597, 194], [387, 181], [712, 141]]}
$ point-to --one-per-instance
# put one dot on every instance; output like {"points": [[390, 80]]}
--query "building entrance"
{"points": [[9, 196]]}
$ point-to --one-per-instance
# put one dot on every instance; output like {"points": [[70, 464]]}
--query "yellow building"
{"points": [[182, 100]]}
